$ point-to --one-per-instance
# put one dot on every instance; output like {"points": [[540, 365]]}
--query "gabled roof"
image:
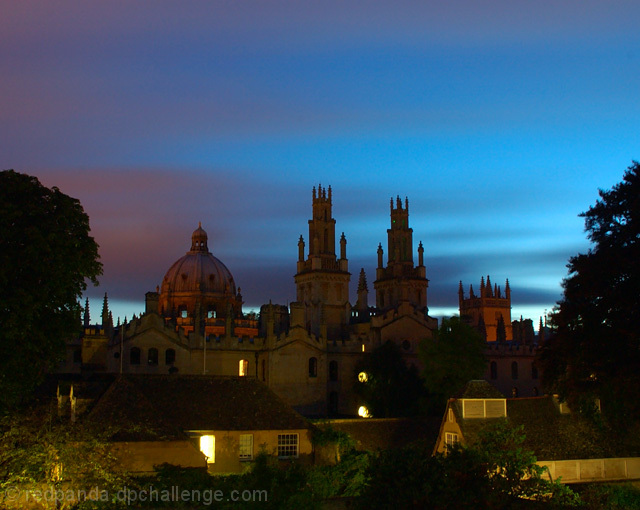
{"points": [[152, 407], [479, 388], [549, 434]]}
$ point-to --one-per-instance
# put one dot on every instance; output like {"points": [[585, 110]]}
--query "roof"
{"points": [[156, 407], [479, 389], [386, 433], [549, 434]]}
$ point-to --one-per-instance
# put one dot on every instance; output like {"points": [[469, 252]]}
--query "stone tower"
{"points": [[322, 280], [484, 312], [401, 281]]}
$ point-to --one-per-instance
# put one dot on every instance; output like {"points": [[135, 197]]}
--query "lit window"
{"points": [[208, 447], [183, 314], [245, 447], [287, 446], [363, 377], [243, 367], [363, 412], [450, 439]]}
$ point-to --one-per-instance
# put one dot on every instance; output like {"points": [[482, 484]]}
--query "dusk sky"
{"points": [[499, 120]]}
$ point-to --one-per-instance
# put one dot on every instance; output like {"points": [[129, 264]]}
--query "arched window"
{"points": [[152, 357], [333, 371], [494, 370], [514, 370], [134, 356], [313, 367], [243, 367], [534, 371], [169, 357]]}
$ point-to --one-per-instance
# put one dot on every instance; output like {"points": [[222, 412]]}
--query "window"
{"points": [[514, 392], [77, 356], [169, 357], [243, 367], [494, 370], [450, 439], [450, 414], [313, 367], [152, 358], [245, 447], [534, 371], [208, 447], [514, 370], [287, 446], [183, 314], [134, 356], [333, 371]]}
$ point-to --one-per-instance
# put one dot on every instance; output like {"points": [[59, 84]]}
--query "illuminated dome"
{"points": [[198, 277]]}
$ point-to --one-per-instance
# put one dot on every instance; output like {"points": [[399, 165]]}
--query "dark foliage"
{"points": [[452, 358], [595, 351], [46, 255], [391, 388]]}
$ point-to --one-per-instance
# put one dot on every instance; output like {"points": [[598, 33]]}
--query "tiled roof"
{"points": [[147, 407], [479, 389], [383, 434], [549, 434]]}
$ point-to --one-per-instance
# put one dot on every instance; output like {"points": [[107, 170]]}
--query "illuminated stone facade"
{"points": [[306, 352]]}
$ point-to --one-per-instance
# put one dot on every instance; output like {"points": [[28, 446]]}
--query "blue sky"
{"points": [[498, 120]]}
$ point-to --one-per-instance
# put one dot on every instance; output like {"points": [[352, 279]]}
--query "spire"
{"points": [[343, 246], [482, 286], [380, 252], [87, 319], [362, 281], [421, 252], [363, 293], [507, 290], [301, 249], [488, 287], [105, 310], [471, 294], [460, 291]]}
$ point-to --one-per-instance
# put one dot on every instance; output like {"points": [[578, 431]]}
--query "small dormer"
{"points": [[479, 399], [484, 408]]}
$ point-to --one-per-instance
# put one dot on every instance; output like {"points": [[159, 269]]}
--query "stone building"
{"points": [[306, 352]]}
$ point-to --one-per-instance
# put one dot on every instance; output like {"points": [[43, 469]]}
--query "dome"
{"points": [[198, 272]]}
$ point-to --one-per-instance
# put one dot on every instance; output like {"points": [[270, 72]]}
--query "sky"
{"points": [[499, 120]]}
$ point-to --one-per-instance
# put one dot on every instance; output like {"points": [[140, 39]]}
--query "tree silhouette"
{"points": [[46, 254], [596, 349]]}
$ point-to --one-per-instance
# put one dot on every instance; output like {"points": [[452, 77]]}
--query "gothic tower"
{"points": [[487, 311], [322, 280], [401, 281]]}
